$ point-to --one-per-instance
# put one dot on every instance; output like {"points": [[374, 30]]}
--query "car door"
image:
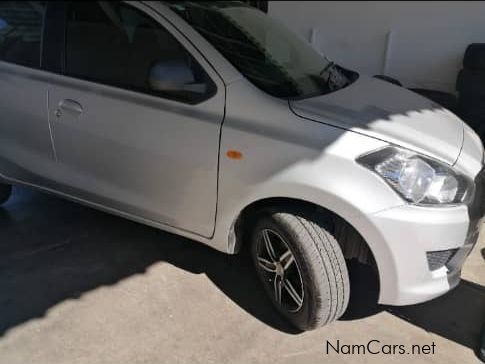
{"points": [[122, 143], [26, 152]]}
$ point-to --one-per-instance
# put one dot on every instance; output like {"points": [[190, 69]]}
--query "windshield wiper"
{"points": [[333, 76], [326, 68]]}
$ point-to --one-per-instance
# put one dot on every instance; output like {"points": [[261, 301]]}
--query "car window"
{"points": [[116, 44], [21, 32], [264, 50]]}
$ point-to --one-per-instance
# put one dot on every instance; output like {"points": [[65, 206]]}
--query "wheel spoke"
{"points": [[267, 265], [279, 270], [278, 282], [286, 259], [292, 292], [269, 246]]}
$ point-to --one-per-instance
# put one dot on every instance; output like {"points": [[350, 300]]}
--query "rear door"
{"points": [[119, 142], [26, 152]]}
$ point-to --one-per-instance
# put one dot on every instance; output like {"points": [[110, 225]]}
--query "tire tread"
{"points": [[327, 263]]}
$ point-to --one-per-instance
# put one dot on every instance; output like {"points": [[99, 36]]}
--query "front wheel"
{"points": [[302, 268], [5, 192]]}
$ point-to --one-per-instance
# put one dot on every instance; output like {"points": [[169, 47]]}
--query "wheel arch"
{"points": [[249, 213], [357, 248]]}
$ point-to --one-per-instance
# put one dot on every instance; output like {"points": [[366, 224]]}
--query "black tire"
{"points": [[5, 192], [323, 273], [474, 57]]}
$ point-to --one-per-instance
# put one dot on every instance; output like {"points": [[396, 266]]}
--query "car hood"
{"points": [[391, 113]]}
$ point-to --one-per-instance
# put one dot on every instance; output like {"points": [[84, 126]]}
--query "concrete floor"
{"points": [[81, 286]]}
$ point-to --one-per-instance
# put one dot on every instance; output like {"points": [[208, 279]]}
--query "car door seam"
{"points": [[50, 127]]}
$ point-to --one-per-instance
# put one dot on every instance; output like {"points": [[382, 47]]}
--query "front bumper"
{"points": [[401, 237]]}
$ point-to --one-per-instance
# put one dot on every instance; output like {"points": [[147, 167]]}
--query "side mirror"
{"points": [[175, 76]]}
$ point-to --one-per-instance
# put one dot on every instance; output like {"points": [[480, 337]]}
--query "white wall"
{"points": [[427, 38]]}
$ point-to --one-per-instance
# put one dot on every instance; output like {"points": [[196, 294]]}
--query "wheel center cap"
{"points": [[279, 270]]}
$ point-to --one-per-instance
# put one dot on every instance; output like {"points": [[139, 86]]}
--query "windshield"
{"points": [[268, 54]]}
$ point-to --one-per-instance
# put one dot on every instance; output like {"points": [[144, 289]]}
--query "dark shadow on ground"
{"points": [[458, 315], [52, 250]]}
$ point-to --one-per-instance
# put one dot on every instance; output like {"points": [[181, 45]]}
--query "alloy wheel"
{"points": [[280, 271]]}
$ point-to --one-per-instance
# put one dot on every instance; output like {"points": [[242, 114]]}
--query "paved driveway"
{"points": [[81, 286]]}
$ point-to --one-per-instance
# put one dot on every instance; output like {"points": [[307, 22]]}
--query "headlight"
{"points": [[418, 179]]}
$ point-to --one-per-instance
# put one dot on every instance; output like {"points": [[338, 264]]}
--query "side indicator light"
{"points": [[234, 154]]}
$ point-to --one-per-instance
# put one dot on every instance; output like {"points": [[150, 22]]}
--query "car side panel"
{"points": [[288, 156], [26, 150]]}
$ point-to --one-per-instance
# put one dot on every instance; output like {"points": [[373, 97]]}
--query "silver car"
{"points": [[213, 121]]}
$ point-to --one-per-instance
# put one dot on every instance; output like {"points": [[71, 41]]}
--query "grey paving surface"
{"points": [[81, 286]]}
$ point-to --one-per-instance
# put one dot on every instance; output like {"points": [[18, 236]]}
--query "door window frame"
{"points": [[56, 62], [41, 45], [52, 52]]}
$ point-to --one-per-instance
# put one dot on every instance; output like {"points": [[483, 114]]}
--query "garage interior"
{"points": [[81, 286]]}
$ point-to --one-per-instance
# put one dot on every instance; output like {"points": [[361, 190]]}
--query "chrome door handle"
{"points": [[70, 106]]}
